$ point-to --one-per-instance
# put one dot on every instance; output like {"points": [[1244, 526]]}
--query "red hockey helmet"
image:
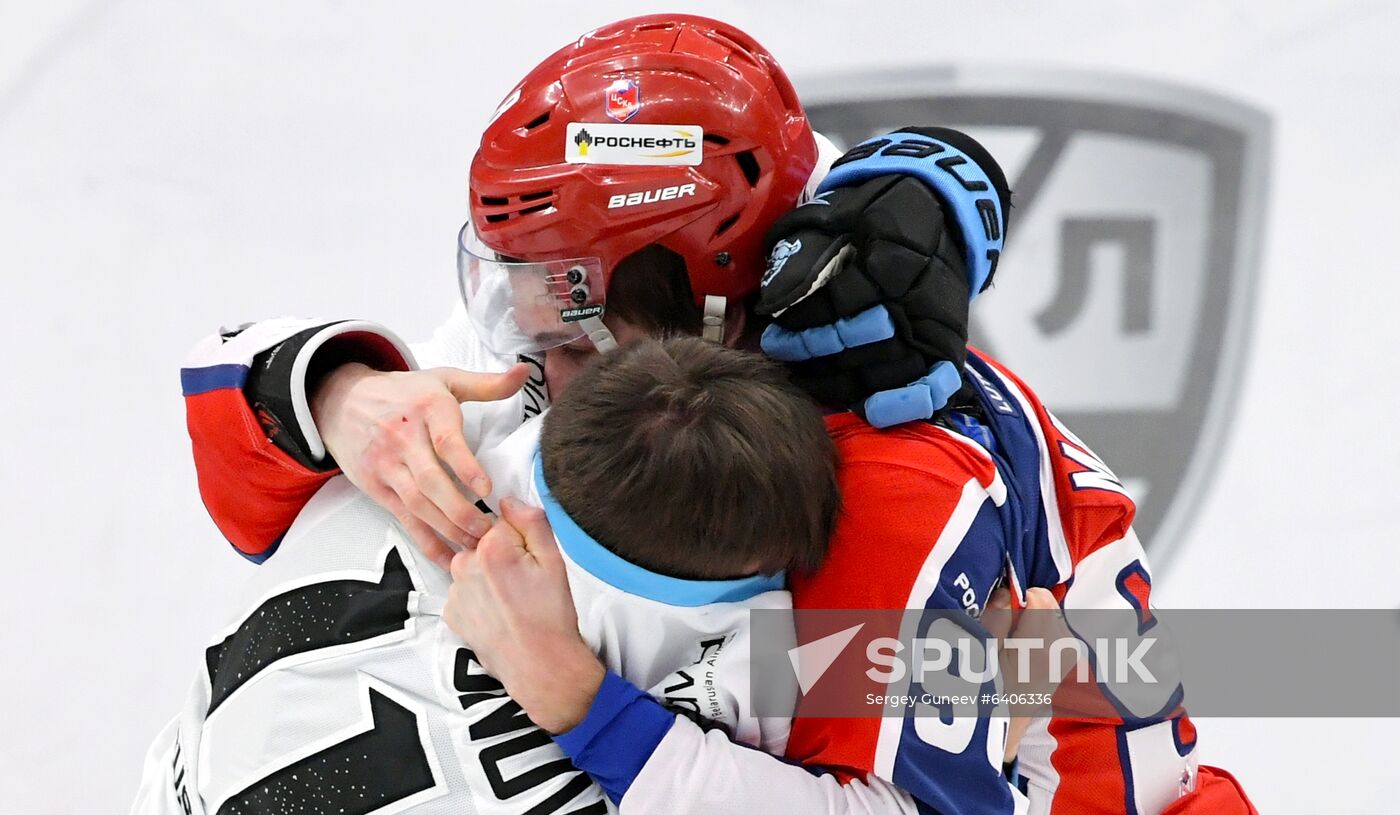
{"points": [[666, 129]]}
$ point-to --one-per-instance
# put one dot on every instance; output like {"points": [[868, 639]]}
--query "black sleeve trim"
{"points": [[281, 379]]}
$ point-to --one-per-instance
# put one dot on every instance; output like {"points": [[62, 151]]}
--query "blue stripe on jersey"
{"points": [[946, 767], [1017, 458], [975, 569], [194, 381], [962, 780], [598, 561]]}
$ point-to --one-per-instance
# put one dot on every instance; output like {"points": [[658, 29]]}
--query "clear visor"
{"points": [[519, 307]]}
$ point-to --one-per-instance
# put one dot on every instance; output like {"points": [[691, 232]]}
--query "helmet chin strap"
{"points": [[712, 324], [599, 335]]}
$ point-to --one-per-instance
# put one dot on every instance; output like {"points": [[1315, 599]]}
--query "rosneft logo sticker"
{"points": [[635, 145]]}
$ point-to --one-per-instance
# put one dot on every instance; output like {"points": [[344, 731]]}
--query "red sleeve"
{"points": [[252, 486], [252, 489]]}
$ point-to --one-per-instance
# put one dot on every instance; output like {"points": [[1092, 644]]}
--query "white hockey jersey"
{"points": [[339, 689]]}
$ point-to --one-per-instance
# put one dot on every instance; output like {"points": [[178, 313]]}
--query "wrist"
{"points": [[616, 740], [330, 390], [558, 685]]}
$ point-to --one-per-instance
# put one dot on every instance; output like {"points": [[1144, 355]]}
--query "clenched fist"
{"points": [[510, 601]]}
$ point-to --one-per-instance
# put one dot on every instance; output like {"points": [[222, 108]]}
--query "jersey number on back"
{"points": [[384, 762]]}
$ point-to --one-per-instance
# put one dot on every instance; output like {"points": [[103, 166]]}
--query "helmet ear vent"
{"points": [[727, 223], [536, 122], [749, 165], [522, 205], [716, 139]]}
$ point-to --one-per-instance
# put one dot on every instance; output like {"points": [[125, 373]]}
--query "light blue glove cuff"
{"points": [[872, 325], [915, 401]]}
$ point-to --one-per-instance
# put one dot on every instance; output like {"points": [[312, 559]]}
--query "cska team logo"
{"points": [[624, 99], [1128, 282]]}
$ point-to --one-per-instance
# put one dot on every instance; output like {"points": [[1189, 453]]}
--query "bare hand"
{"points": [[1045, 625], [510, 601], [398, 436]]}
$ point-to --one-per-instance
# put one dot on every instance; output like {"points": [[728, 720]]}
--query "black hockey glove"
{"points": [[869, 283]]}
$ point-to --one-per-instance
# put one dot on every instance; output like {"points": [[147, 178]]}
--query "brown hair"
{"points": [[693, 460]]}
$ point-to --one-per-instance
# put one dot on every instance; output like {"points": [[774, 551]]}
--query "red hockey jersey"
{"points": [[937, 518]]}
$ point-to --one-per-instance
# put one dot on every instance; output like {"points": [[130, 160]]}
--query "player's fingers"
{"points": [[534, 527], [471, 386], [431, 545], [462, 564], [997, 616], [460, 609], [1015, 732], [439, 488], [501, 547], [1046, 618], [418, 505], [1041, 598], [420, 533], [1054, 626], [444, 424]]}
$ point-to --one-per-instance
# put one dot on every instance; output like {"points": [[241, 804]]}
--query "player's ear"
{"points": [[736, 319]]}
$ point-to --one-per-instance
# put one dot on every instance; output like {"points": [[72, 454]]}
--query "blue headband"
{"points": [[600, 562]]}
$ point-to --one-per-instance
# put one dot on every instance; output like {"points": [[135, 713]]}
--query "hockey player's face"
{"points": [[563, 363]]}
